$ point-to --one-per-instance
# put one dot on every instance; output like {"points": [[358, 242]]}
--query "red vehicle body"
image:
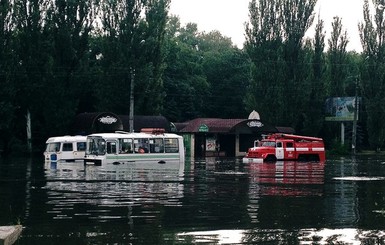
{"points": [[286, 147]]}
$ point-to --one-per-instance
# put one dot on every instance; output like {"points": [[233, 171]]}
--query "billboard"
{"points": [[341, 108]]}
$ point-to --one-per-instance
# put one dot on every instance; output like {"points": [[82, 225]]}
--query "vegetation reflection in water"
{"points": [[207, 201]]}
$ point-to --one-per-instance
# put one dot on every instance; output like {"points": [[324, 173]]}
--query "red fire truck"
{"points": [[279, 146]]}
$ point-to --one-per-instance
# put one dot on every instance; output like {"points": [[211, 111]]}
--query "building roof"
{"points": [[86, 123], [218, 125]]}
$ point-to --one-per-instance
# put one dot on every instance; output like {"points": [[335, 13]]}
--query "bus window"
{"points": [[111, 147], [53, 147], [171, 145], [67, 147], [125, 146], [156, 146], [142, 145], [96, 146], [81, 146]]}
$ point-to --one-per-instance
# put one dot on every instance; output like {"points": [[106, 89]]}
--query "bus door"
{"points": [[112, 147], [279, 151], [67, 151]]}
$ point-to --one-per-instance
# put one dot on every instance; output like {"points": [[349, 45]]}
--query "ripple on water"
{"points": [[359, 178]]}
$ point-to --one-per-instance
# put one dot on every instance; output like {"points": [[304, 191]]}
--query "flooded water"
{"points": [[206, 201]]}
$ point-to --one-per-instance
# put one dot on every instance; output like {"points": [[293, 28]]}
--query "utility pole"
{"points": [[131, 115], [29, 134], [354, 135], [132, 83]]}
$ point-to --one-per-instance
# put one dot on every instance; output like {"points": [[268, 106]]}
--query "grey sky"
{"points": [[229, 16]]}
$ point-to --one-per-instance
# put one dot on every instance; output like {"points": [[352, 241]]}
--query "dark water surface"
{"points": [[206, 201]]}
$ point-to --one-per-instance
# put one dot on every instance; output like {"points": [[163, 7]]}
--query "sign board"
{"points": [[255, 124], [210, 144], [203, 128], [341, 108]]}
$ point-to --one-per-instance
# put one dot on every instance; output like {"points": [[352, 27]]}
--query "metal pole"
{"points": [[131, 115], [342, 133], [29, 134], [354, 136]]}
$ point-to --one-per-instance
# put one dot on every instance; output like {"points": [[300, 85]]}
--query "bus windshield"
{"points": [[96, 146]]}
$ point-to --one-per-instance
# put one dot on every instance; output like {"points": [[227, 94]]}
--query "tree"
{"points": [[67, 26], [151, 101], [185, 83], [131, 47], [337, 56], [313, 111], [227, 70], [264, 47], [373, 73], [274, 39], [8, 70]]}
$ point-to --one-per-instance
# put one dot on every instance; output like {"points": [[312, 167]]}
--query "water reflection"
{"points": [[112, 186], [207, 201], [301, 236], [287, 178]]}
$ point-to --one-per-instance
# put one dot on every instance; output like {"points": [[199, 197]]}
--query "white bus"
{"points": [[121, 147], [65, 148]]}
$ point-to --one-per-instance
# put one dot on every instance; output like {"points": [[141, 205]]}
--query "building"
{"points": [[223, 137], [203, 137]]}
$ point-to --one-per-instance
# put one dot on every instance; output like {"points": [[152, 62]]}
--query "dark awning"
{"points": [[146, 122], [96, 122], [105, 122]]}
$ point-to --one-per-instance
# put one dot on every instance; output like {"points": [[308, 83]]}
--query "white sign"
{"points": [[255, 124], [107, 120]]}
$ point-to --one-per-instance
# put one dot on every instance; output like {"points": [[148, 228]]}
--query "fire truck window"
{"points": [[279, 144], [289, 144]]}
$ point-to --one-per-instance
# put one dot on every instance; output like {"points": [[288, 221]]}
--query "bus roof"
{"points": [[66, 138], [134, 135]]}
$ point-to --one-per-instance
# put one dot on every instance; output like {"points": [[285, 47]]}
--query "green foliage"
{"points": [[274, 39], [337, 56], [206, 76], [227, 72], [373, 73], [65, 57], [337, 149], [184, 80]]}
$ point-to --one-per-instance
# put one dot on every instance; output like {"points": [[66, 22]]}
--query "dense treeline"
{"points": [[60, 58]]}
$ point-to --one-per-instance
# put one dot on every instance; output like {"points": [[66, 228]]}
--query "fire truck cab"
{"points": [[278, 146]]}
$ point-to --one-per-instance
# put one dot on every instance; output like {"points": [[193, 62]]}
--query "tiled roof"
{"points": [[216, 125]]}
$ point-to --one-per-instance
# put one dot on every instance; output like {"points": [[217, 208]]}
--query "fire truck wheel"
{"points": [[270, 158]]}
